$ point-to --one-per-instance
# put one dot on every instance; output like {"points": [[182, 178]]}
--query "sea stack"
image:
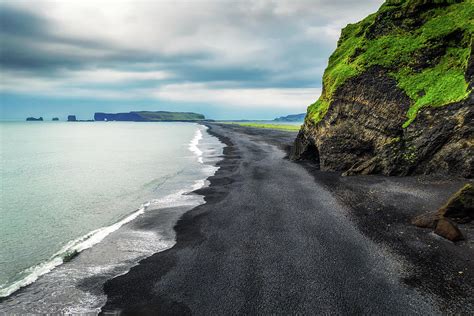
{"points": [[34, 119]]}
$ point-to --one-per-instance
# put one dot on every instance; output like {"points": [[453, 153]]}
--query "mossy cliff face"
{"points": [[397, 94]]}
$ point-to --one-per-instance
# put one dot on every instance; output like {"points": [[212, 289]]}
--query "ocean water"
{"points": [[111, 192]]}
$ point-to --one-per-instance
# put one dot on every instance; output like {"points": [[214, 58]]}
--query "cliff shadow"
{"points": [[309, 154]]}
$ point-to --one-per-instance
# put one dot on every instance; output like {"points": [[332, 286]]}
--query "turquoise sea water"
{"points": [[66, 186]]}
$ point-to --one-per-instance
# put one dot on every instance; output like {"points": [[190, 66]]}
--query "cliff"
{"points": [[397, 94], [148, 116]]}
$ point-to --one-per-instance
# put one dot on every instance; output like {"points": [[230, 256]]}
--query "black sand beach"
{"points": [[279, 237]]}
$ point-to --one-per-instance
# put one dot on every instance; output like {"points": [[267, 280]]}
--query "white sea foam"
{"points": [[77, 245], [193, 146]]}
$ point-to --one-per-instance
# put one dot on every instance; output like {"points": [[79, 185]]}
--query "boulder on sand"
{"points": [[426, 220], [458, 209], [448, 229]]}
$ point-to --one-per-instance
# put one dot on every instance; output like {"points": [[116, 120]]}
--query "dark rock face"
{"points": [[55, 119], [366, 115], [34, 119], [71, 118], [362, 132], [442, 141]]}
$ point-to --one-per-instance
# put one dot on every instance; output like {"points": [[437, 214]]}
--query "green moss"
{"points": [[437, 86], [318, 110], [410, 154], [393, 140], [439, 83]]}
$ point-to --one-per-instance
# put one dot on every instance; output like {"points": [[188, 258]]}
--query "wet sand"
{"points": [[279, 237]]}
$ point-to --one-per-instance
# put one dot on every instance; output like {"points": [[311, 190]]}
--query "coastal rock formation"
{"points": [[460, 206], [149, 116], [397, 94], [459, 209], [34, 119], [71, 118], [447, 229]]}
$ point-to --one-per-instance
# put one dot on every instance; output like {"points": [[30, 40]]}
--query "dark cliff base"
{"points": [[277, 236]]}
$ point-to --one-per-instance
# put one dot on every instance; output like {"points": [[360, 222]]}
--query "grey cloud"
{"points": [[284, 56], [25, 38], [20, 23]]}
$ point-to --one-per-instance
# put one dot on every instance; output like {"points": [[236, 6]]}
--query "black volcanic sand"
{"points": [[279, 237]]}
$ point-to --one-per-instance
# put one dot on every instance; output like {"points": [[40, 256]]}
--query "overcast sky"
{"points": [[226, 59]]}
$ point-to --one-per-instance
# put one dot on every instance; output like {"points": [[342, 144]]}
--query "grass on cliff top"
{"points": [[283, 127], [441, 83]]}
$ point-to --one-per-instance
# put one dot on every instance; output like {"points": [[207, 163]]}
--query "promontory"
{"points": [[149, 116]]}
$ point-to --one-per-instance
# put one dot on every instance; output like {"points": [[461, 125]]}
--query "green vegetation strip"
{"points": [[284, 127], [441, 83]]}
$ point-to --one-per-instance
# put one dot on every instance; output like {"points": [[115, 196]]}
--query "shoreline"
{"points": [[166, 282], [88, 246], [68, 252]]}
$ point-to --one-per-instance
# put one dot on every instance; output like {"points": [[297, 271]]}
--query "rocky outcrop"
{"points": [[71, 118], [460, 206], [459, 209], [34, 119], [373, 122], [447, 229], [362, 133]]}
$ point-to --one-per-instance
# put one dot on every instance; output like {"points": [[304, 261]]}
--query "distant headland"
{"points": [[291, 118], [73, 118], [149, 116]]}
